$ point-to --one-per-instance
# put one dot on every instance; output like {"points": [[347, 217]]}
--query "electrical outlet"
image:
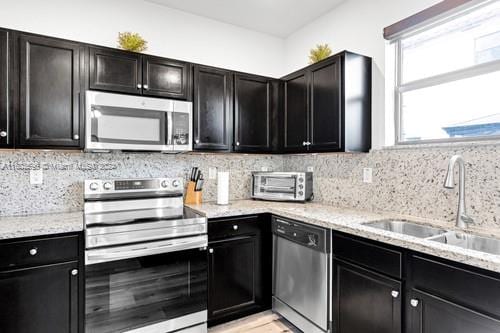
{"points": [[212, 173], [36, 177], [367, 175], [310, 169], [264, 168]]}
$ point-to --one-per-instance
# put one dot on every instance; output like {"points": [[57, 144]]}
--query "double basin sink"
{"points": [[463, 240]]}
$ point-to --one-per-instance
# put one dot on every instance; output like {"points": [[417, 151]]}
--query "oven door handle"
{"points": [[146, 249]]}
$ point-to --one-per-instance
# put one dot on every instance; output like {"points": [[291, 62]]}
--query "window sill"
{"points": [[437, 145]]}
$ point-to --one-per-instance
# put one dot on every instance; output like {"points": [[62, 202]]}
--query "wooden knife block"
{"points": [[192, 197]]}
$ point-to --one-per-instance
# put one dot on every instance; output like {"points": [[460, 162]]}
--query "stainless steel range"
{"points": [[146, 267]]}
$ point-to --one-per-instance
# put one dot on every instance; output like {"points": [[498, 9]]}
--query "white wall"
{"points": [[355, 25], [170, 33]]}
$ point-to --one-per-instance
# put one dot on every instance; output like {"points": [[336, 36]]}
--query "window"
{"points": [[448, 78]]}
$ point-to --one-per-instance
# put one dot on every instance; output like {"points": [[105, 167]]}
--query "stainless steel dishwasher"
{"points": [[302, 274]]}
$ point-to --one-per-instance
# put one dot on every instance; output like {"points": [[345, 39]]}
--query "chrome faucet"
{"points": [[463, 220]]}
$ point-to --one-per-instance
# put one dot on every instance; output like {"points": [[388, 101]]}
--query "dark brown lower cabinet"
{"points": [[431, 314], [41, 298], [239, 268], [365, 301]]}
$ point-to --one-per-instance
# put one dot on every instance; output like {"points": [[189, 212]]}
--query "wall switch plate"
{"points": [[310, 169], [264, 168], [367, 175], [212, 173], [36, 177]]}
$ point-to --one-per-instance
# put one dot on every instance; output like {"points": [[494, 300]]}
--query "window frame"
{"points": [[431, 81]]}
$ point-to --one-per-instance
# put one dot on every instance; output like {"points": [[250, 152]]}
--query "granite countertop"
{"points": [[40, 224], [351, 221]]}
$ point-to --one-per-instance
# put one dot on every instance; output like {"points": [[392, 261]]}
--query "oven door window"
{"points": [[130, 126], [132, 293], [272, 185]]}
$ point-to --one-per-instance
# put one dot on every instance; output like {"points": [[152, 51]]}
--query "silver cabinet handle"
{"points": [[76, 137], [197, 141], [235, 227], [3, 134], [210, 250], [237, 143], [414, 302], [139, 86], [33, 251], [146, 87], [395, 293], [304, 143], [74, 272]]}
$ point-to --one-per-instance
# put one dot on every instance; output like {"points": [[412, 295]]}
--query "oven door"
{"points": [[121, 122], [149, 287]]}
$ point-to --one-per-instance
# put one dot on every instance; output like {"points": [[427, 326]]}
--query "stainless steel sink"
{"points": [[406, 228], [470, 242]]}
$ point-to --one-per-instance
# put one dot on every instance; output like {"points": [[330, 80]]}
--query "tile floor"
{"points": [[264, 322]]}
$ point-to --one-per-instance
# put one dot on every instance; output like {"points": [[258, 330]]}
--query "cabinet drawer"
{"points": [[376, 257], [234, 226], [475, 290], [38, 252]]}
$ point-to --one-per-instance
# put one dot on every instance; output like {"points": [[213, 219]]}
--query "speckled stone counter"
{"points": [[41, 224], [351, 222]]}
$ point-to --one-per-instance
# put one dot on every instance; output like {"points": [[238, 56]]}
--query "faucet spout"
{"points": [[463, 220]]}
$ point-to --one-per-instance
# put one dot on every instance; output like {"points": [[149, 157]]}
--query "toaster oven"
{"points": [[282, 186]]}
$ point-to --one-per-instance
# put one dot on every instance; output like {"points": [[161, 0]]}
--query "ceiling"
{"points": [[276, 17]]}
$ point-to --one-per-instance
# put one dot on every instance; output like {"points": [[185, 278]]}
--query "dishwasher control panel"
{"points": [[313, 237]]}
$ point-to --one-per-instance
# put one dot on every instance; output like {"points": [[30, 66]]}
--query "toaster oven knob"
{"points": [[175, 183], [301, 180], [93, 186], [301, 186], [301, 193], [107, 186], [164, 184]]}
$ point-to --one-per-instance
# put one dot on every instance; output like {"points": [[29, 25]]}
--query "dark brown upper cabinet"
{"points": [[114, 70], [49, 95], [212, 104], [133, 73], [295, 112], [5, 114], [255, 113], [327, 106], [165, 78]]}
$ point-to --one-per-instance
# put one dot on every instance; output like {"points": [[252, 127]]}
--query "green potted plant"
{"points": [[131, 41], [320, 52]]}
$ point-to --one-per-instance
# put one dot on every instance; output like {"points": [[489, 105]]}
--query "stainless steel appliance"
{"points": [[145, 258], [302, 275], [282, 186], [123, 122]]}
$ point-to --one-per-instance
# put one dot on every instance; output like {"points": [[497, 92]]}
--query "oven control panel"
{"points": [[94, 187]]}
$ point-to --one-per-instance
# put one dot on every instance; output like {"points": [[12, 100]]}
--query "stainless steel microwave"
{"points": [[123, 122], [282, 186]]}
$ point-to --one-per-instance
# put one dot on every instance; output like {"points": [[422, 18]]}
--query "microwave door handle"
{"points": [[172, 246], [170, 127]]}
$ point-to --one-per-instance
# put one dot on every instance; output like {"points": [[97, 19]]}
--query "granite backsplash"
{"points": [[64, 172], [407, 181], [410, 181]]}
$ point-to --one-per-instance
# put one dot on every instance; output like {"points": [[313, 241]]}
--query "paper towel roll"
{"points": [[222, 188]]}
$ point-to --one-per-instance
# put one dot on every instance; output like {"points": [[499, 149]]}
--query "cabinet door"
{"points": [[234, 277], [325, 126], [213, 96], [114, 70], [5, 120], [252, 113], [165, 78], [296, 110], [365, 301], [49, 108], [431, 314], [42, 299]]}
